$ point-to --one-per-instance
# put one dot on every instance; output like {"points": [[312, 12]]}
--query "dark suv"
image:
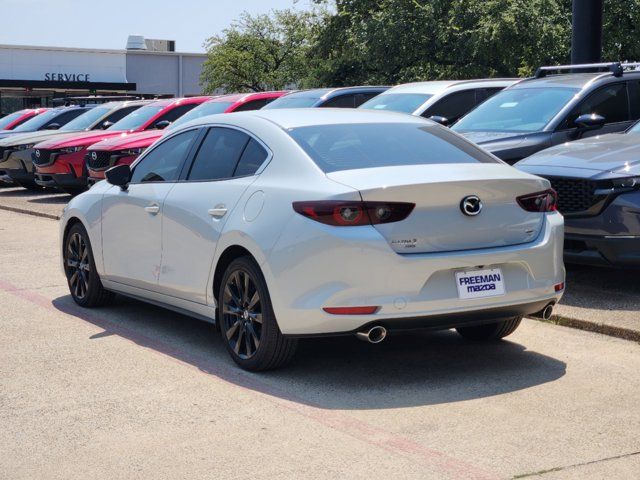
{"points": [[553, 108]]}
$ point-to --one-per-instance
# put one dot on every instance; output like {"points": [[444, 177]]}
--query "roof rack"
{"points": [[617, 68]]}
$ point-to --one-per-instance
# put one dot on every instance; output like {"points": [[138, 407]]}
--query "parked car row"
{"points": [[513, 119]]}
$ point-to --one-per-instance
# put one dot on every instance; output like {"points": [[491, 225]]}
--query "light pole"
{"points": [[586, 37]]}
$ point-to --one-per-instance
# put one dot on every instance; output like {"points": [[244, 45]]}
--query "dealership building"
{"points": [[37, 76]]}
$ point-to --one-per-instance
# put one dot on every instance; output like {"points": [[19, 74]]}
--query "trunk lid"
{"points": [[437, 224]]}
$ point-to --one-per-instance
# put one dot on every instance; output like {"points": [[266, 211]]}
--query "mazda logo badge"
{"points": [[38, 153], [471, 205], [94, 155]]}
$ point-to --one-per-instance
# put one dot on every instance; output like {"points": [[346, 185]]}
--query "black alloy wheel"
{"points": [[247, 323], [80, 269]]}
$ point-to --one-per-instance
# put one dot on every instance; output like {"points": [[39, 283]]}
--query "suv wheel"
{"points": [[491, 331]]}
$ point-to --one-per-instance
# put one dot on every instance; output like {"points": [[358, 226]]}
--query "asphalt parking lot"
{"points": [[134, 388]]}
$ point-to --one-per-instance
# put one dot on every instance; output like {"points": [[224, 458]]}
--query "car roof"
{"points": [[437, 86], [287, 118], [327, 93], [243, 97]]}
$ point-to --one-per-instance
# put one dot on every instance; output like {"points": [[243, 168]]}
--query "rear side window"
{"points": [[218, 154], [65, 117], [343, 101], [251, 105], [120, 114], [252, 157], [354, 146], [453, 106], [611, 102], [163, 163], [175, 113]]}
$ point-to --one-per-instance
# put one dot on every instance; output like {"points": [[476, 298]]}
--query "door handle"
{"points": [[153, 208], [218, 211]]}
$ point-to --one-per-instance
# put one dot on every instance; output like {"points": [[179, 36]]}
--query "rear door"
{"points": [[197, 208], [132, 218]]}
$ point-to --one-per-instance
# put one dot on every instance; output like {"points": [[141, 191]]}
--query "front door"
{"points": [[132, 218]]}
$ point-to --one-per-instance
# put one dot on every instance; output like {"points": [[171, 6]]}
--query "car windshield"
{"points": [[86, 120], [38, 121], [12, 117], [137, 118], [209, 108], [397, 102], [635, 128], [516, 110], [292, 101], [355, 146]]}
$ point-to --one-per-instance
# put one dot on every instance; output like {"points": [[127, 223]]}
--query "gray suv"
{"points": [[598, 185], [553, 108]]}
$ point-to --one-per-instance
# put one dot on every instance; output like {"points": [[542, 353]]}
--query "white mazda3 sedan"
{"points": [[283, 224]]}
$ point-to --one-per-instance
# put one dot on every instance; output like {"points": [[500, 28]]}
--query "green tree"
{"points": [[261, 52]]}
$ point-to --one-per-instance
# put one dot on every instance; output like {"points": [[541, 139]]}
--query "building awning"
{"points": [[67, 85]]}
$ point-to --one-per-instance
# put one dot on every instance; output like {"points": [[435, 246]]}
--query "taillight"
{"points": [[546, 201], [342, 213]]}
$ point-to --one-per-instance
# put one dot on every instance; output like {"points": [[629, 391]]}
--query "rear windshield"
{"points": [[137, 118], [354, 146], [209, 108], [292, 101], [12, 117], [87, 119], [397, 102]]}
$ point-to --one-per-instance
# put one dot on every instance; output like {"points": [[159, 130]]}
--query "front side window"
{"points": [[218, 154], [397, 102], [610, 102], [516, 110], [177, 112], [59, 116], [453, 106], [252, 105], [163, 163], [355, 146], [87, 119]]}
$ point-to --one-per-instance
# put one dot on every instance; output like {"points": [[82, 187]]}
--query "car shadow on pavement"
{"points": [[52, 197], [337, 373], [602, 288]]}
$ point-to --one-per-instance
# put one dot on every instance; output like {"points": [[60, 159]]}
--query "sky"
{"points": [[107, 24]]}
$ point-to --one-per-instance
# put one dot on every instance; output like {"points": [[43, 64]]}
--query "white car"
{"points": [[444, 101], [281, 224]]}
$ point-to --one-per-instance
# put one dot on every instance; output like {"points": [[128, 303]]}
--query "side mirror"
{"points": [[52, 126], [589, 121], [441, 120], [106, 124], [119, 175], [162, 124]]}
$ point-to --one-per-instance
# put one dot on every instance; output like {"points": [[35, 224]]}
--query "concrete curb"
{"points": [[604, 329], [30, 212]]}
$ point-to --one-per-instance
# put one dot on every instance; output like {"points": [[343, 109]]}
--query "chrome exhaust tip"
{"points": [[375, 334], [547, 312]]}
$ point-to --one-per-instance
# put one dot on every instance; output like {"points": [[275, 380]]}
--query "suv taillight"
{"points": [[347, 214], [546, 201]]}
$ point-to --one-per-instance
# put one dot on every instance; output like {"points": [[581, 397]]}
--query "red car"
{"points": [[115, 151], [60, 161], [11, 121]]}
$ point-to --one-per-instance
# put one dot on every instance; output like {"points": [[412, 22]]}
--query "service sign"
{"points": [[62, 64], [480, 283]]}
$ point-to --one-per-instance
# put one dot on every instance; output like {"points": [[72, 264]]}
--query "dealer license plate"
{"points": [[480, 283]]}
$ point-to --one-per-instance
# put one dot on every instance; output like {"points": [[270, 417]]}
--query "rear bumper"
{"points": [[312, 267], [603, 251]]}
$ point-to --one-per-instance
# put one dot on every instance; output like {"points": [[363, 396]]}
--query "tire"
{"points": [[80, 269], [491, 331], [248, 326]]}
